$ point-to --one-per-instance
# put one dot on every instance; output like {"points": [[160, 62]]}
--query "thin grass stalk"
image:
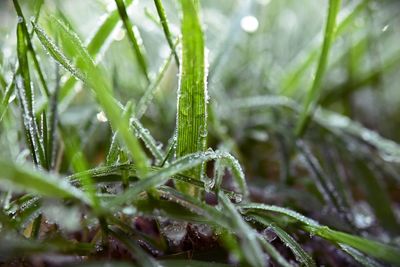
{"points": [[164, 23], [312, 97], [138, 49]]}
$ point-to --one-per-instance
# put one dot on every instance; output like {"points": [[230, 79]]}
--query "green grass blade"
{"points": [[153, 86], [95, 45], [314, 92], [38, 182], [336, 123], [373, 248], [361, 258], [30, 46], [53, 121], [292, 79], [79, 164], [295, 247], [98, 41], [147, 139], [322, 180], [55, 52], [26, 96], [248, 238], [165, 26], [273, 252], [95, 78], [160, 176], [142, 257], [138, 49], [192, 93]]}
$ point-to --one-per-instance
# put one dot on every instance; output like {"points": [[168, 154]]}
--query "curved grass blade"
{"points": [[138, 49], [295, 247], [314, 92], [96, 79], [248, 238], [332, 121], [160, 176], [38, 182], [96, 44], [271, 250], [55, 52], [142, 257], [192, 93], [373, 248], [361, 258]]}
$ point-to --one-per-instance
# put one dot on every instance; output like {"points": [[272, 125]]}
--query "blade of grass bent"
{"points": [[373, 248], [38, 182], [95, 78], [297, 250], [95, 44], [192, 93]]}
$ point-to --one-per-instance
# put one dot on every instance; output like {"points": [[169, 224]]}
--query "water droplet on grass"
{"points": [[129, 210], [119, 34], [269, 234], [249, 24], [101, 117]]}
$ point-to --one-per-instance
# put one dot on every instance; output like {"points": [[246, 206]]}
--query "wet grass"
{"points": [[127, 144]]}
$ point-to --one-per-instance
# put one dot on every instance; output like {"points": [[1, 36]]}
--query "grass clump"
{"points": [[124, 144]]}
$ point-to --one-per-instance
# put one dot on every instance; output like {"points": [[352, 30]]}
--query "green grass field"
{"points": [[199, 133]]}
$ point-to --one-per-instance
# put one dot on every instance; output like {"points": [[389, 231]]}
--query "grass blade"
{"points": [[138, 49], [249, 242], [38, 182], [167, 32], [295, 247], [26, 97], [95, 45], [147, 139], [314, 92], [153, 86], [373, 248], [30, 46], [192, 95], [96, 79], [160, 176]]}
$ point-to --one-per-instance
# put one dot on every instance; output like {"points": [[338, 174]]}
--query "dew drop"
{"points": [[269, 234], [101, 117], [129, 210], [249, 24], [119, 34]]}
